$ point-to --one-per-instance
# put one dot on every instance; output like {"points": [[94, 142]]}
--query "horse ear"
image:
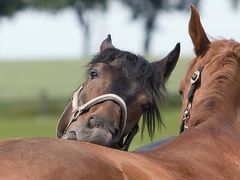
{"points": [[196, 32], [167, 64], [64, 120], [107, 43]]}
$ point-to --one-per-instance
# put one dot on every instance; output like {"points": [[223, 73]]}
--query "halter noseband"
{"points": [[195, 81], [78, 110]]}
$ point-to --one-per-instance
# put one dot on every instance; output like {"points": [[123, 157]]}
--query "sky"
{"points": [[34, 35]]}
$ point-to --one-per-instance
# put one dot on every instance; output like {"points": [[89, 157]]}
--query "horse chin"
{"points": [[99, 135]]}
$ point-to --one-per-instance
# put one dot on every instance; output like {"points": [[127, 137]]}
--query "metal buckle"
{"points": [[76, 114], [195, 77], [185, 126], [185, 114]]}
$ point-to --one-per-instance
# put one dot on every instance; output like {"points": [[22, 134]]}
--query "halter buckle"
{"points": [[185, 114], [195, 77], [185, 126], [77, 113]]}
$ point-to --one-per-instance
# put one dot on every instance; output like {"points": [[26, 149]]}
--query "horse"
{"points": [[120, 87], [207, 148], [211, 104], [49, 158]]}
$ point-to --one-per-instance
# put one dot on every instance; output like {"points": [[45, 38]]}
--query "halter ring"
{"points": [[195, 77]]}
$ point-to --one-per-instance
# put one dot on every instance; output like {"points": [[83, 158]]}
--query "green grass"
{"points": [[176, 76], [45, 126], [24, 86], [170, 117], [26, 126], [29, 80]]}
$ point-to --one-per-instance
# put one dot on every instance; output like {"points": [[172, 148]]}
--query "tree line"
{"points": [[147, 10]]}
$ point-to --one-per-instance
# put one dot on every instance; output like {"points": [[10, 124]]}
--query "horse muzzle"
{"points": [[95, 130]]}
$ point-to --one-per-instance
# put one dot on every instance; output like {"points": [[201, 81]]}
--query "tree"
{"points": [[149, 10], [10, 7], [81, 7], [235, 4]]}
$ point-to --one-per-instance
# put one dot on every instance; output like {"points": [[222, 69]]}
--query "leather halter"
{"points": [[78, 110], [195, 81]]}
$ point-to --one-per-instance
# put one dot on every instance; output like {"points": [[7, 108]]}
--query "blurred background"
{"points": [[45, 44]]}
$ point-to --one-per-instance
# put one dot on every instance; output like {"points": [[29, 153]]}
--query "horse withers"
{"points": [[119, 89]]}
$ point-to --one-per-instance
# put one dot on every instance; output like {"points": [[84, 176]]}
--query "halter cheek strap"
{"points": [[75, 98], [195, 81]]}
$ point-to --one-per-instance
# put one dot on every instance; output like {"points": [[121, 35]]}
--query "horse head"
{"points": [[119, 89], [210, 84]]}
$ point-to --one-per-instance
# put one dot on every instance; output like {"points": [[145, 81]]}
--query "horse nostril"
{"points": [[70, 136], [92, 123], [96, 122]]}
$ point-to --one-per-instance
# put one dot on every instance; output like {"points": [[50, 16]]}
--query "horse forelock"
{"points": [[137, 68]]}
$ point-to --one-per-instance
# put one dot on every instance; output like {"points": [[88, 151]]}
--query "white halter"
{"points": [[77, 109]]}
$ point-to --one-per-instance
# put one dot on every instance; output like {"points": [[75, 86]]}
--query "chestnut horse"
{"points": [[207, 148], [119, 89]]}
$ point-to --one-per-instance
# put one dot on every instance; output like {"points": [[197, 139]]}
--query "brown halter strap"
{"points": [[195, 81]]}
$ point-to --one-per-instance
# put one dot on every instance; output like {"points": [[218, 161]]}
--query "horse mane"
{"points": [[136, 67], [222, 60]]}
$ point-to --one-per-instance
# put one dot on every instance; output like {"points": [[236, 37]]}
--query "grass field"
{"points": [[30, 126], [24, 86]]}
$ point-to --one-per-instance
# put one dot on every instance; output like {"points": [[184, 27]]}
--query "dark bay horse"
{"points": [[64, 159], [119, 89], [207, 148]]}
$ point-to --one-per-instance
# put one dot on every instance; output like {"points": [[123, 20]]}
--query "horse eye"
{"points": [[147, 107], [93, 74]]}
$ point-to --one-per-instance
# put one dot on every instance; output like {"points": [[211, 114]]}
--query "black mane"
{"points": [[137, 67]]}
